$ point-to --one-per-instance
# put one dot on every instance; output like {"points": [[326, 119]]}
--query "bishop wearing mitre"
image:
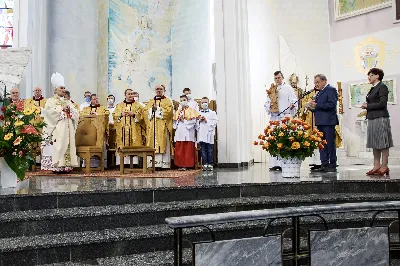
{"points": [[95, 108], [128, 123], [61, 118], [159, 114]]}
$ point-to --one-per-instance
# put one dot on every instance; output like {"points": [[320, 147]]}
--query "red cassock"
{"points": [[185, 154]]}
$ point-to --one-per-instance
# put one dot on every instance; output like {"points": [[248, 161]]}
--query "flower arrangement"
{"points": [[19, 136], [289, 138]]}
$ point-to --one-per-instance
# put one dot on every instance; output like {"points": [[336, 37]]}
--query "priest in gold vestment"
{"points": [[96, 109], [128, 123], [61, 118], [158, 115]]}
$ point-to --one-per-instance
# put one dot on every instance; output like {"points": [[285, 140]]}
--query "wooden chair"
{"points": [[36, 151], [111, 149], [141, 151], [90, 139]]}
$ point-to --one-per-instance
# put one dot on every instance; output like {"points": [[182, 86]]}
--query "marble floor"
{"points": [[257, 173]]}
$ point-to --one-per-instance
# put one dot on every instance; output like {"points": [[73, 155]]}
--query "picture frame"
{"points": [[358, 92], [396, 11], [344, 9]]}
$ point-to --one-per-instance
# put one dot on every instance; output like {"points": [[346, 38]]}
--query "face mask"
{"points": [[110, 101], [204, 105], [184, 103], [87, 99], [136, 99]]}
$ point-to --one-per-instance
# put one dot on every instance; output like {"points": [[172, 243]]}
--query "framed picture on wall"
{"points": [[358, 92], [350, 8], [396, 11]]}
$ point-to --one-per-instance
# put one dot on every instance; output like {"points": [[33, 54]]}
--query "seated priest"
{"points": [[128, 123], [61, 118], [158, 116], [96, 109], [15, 96]]}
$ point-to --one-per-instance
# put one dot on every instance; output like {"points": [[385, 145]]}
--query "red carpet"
{"points": [[115, 173]]}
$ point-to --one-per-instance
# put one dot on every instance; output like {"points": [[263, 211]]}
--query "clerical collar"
{"points": [[40, 98], [95, 105], [159, 97], [205, 110], [125, 101]]}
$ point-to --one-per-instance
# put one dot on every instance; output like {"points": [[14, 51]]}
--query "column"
{"points": [[31, 30], [233, 83]]}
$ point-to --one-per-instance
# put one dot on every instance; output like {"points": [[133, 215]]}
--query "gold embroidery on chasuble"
{"points": [[163, 127], [128, 128]]}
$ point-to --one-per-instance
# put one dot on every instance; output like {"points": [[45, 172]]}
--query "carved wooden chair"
{"points": [[89, 139]]}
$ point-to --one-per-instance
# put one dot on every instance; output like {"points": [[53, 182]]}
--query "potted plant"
{"points": [[288, 140], [19, 137]]}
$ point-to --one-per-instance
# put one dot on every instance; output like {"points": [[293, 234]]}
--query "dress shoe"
{"points": [[315, 167], [319, 170], [330, 170], [275, 168]]}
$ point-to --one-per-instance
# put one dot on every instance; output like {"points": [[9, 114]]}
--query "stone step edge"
{"points": [[109, 210], [153, 231]]}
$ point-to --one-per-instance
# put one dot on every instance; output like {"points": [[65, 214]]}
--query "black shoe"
{"points": [[315, 167], [320, 169], [330, 170], [275, 168]]}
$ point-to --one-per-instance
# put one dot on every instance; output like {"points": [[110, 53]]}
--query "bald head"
{"points": [[14, 94], [37, 92]]}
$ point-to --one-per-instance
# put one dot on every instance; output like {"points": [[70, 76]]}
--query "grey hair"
{"points": [[320, 76]]}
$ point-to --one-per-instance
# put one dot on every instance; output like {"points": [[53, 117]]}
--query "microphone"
{"points": [[306, 93]]}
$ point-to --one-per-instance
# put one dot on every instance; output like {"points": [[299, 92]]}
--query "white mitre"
{"points": [[57, 80]]}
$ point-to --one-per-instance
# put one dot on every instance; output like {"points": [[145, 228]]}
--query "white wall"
{"points": [[344, 59], [73, 44], [305, 26], [191, 49]]}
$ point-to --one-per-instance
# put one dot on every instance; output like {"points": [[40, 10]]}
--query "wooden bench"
{"points": [[141, 151]]}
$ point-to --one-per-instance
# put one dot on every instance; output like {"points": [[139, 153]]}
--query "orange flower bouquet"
{"points": [[288, 139]]}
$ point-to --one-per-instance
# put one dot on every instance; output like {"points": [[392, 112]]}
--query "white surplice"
{"points": [[61, 155], [185, 130], [286, 97], [83, 105], [206, 130], [162, 160]]}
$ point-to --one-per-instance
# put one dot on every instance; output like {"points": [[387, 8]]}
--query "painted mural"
{"points": [[358, 92], [139, 50], [350, 8]]}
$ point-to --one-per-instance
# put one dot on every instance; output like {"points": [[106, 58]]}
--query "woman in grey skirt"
{"points": [[379, 133]]}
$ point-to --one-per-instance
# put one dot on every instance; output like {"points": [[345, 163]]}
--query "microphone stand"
{"points": [[154, 126], [302, 97]]}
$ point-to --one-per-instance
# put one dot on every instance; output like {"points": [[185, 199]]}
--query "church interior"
{"points": [[166, 107]]}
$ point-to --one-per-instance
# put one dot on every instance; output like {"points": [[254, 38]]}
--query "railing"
{"points": [[180, 223]]}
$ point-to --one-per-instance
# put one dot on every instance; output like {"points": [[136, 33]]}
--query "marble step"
{"points": [[10, 203], [54, 221], [91, 245]]}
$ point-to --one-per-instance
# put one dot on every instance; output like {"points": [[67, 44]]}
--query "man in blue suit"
{"points": [[325, 111]]}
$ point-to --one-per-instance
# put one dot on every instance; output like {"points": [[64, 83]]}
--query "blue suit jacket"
{"points": [[326, 109]]}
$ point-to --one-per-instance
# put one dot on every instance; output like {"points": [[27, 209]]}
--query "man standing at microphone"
{"points": [[326, 119], [158, 115], [280, 103]]}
